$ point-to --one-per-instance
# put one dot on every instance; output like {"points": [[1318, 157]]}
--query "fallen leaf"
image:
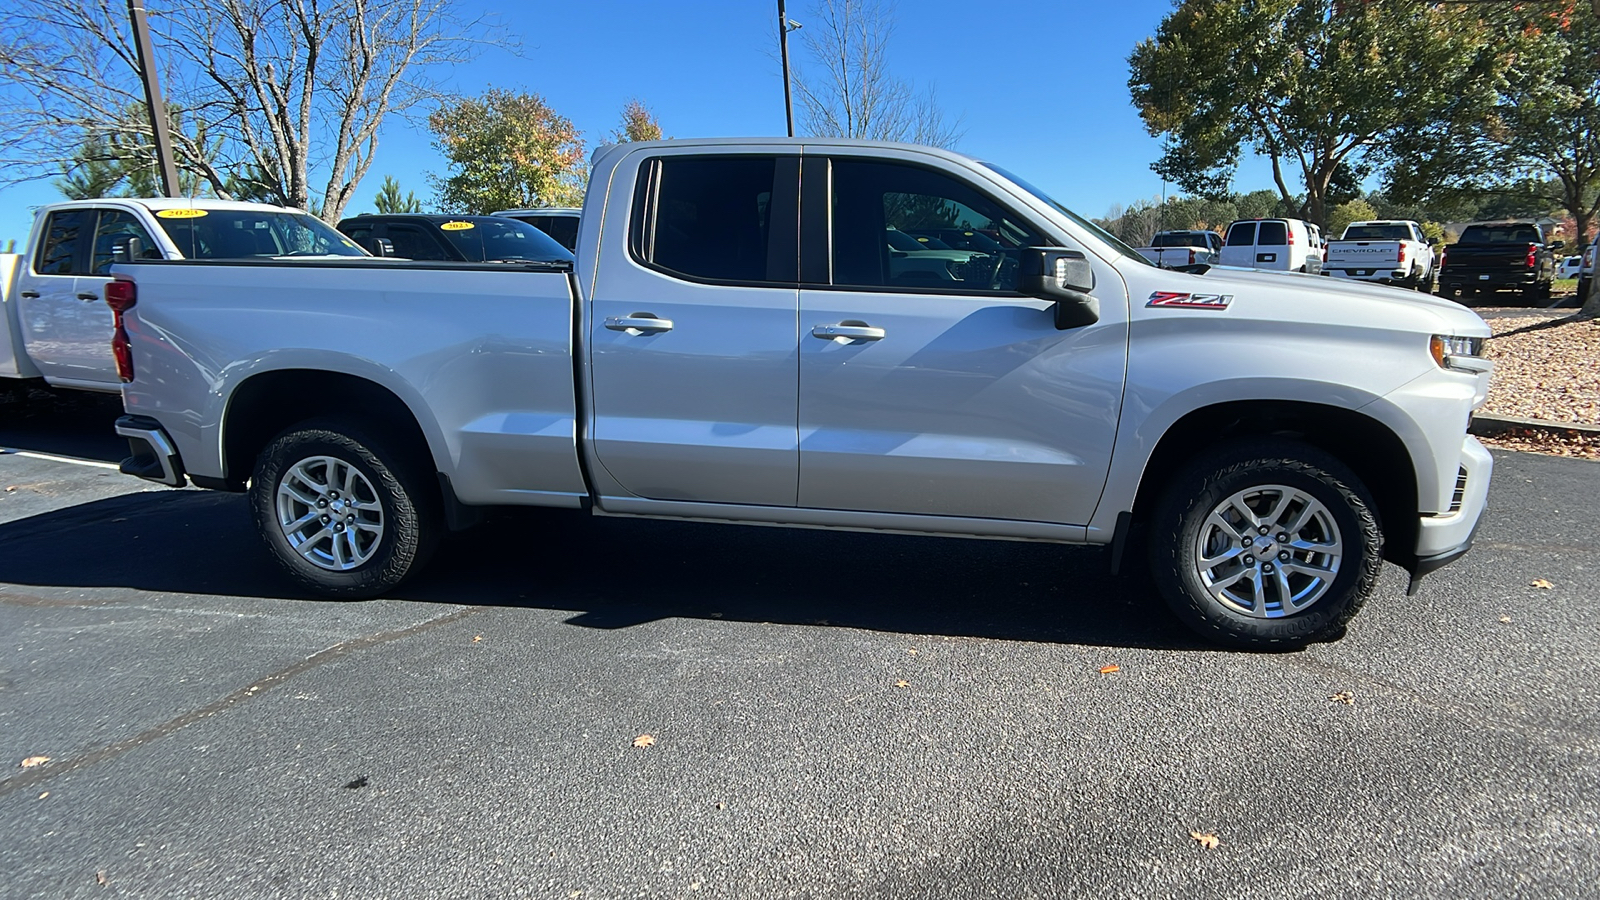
{"points": [[32, 761], [1206, 839], [477, 639], [1110, 670], [721, 805], [1506, 619], [10, 488], [44, 795], [912, 651], [902, 683], [1345, 697], [644, 740], [1542, 585], [100, 877]]}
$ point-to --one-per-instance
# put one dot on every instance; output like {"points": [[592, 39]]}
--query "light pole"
{"points": [[784, 27], [152, 97]]}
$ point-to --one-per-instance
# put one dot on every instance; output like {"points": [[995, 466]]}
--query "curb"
{"points": [[1492, 425]]}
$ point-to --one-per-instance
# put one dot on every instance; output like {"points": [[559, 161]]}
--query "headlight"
{"points": [[1451, 352]]}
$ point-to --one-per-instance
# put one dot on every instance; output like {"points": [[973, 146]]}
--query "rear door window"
{"points": [[1242, 234], [416, 242], [1273, 234], [708, 218], [66, 236]]}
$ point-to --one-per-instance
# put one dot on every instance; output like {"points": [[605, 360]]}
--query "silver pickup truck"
{"points": [[738, 341]]}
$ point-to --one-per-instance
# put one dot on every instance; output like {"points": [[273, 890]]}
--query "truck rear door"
{"points": [[943, 391], [692, 331]]}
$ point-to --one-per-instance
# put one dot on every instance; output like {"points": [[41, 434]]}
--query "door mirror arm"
{"points": [[1065, 276], [126, 249]]}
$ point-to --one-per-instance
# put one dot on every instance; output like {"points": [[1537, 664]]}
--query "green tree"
{"points": [[1538, 148], [390, 200], [1340, 217], [507, 150], [1315, 86], [638, 124]]}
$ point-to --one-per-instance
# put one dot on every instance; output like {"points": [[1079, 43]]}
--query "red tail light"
{"points": [[1402, 252], [1533, 255], [1443, 252], [1191, 257], [121, 296]]}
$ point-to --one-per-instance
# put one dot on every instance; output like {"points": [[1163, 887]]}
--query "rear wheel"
{"points": [[343, 509], [1266, 543]]}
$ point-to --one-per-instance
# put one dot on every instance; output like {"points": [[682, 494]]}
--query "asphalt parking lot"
{"points": [[832, 714]]}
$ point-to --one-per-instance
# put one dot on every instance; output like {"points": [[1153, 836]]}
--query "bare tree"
{"points": [[846, 88], [297, 89]]}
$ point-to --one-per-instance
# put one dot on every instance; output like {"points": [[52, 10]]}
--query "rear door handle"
{"points": [[31, 295], [848, 332], [639, 323], [88, 296]]}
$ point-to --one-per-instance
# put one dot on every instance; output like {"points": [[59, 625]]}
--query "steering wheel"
{"points": [[994, 273]]}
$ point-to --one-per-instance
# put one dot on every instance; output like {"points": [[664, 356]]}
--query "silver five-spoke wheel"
{"points": [[329, 513], [1269, 551]]}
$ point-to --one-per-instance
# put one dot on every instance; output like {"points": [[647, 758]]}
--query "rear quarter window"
{"points": [[1242, 234], [1273, 234]]}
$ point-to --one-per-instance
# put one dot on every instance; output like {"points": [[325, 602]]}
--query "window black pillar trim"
{"points": [[783, 218], [816, 220]]}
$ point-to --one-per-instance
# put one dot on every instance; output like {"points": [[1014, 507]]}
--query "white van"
{"points": [[1282, 245]]}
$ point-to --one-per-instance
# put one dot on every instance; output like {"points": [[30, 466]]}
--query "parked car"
{"points": [[437, 238], [54, 327], [733, 344], [1570, 267], [1281, 245], [1188, 247], [1500, 256], [560, 223], [1388, 251]]}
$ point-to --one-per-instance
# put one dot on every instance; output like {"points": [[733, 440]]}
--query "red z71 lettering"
{"points": [[1190, 301]]}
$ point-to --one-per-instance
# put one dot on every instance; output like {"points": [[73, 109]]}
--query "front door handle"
{"points": [[31, 295], [639, 323], [848, 332], [88, 296]]}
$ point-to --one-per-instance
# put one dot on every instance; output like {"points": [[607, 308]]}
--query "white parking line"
{"points": [[77, 461]]}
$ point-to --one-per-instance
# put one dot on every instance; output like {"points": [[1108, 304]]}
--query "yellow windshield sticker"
{"points": [[457, 226], [180, 213]]}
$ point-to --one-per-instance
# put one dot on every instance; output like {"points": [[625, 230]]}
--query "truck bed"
{"points": [[485, 362]]}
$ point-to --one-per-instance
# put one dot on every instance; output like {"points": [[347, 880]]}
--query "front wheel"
{"points": [[342, 509], [1266, 543]]}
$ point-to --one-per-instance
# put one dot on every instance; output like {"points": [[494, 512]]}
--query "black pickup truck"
{"points": [[1506, 256]]}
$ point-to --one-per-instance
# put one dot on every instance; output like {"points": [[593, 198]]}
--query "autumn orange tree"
{"points": [[638, 124], [506, 150]]}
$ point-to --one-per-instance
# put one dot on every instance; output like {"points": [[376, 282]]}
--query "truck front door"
{"points": [[928, 385], [692, 332]]}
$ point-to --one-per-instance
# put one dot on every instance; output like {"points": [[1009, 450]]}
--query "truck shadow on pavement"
{"points": [[614, 573], [67, 423]]}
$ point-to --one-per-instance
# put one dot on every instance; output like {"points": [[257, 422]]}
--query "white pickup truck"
{"points": [[56, 328], [1388, 252], [1176, 249], [736, 342]]}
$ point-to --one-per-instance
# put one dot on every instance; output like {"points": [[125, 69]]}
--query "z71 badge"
{"points": [[1190, 301]]}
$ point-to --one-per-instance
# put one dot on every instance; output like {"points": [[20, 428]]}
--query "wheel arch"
{"points": [[267, 402], [1376, 454]]}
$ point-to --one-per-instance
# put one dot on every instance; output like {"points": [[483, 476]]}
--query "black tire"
{"points": [[1190, 498], [399, 482]]}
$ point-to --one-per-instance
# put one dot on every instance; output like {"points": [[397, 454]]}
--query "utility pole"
{"points": [[152, 97], [783, 50]]}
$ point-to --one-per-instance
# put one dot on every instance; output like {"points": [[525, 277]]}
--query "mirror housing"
{"points": [[378, 246], [1557, 245], [126, 248], [1055, 273]]}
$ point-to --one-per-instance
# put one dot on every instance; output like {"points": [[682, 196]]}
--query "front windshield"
{"points": [[251, 234], [484, 239], [1078, 220]]}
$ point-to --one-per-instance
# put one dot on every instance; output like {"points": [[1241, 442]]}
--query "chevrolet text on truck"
{"points": [[55, 327], [738, 342]]}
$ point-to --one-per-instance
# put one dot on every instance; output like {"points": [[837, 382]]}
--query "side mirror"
{"points": [[1557, 245], [378, 246], [126, 249], [1052, 273]]}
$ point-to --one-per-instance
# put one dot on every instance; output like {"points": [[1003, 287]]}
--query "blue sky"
{"points": [[1040, 87]]}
